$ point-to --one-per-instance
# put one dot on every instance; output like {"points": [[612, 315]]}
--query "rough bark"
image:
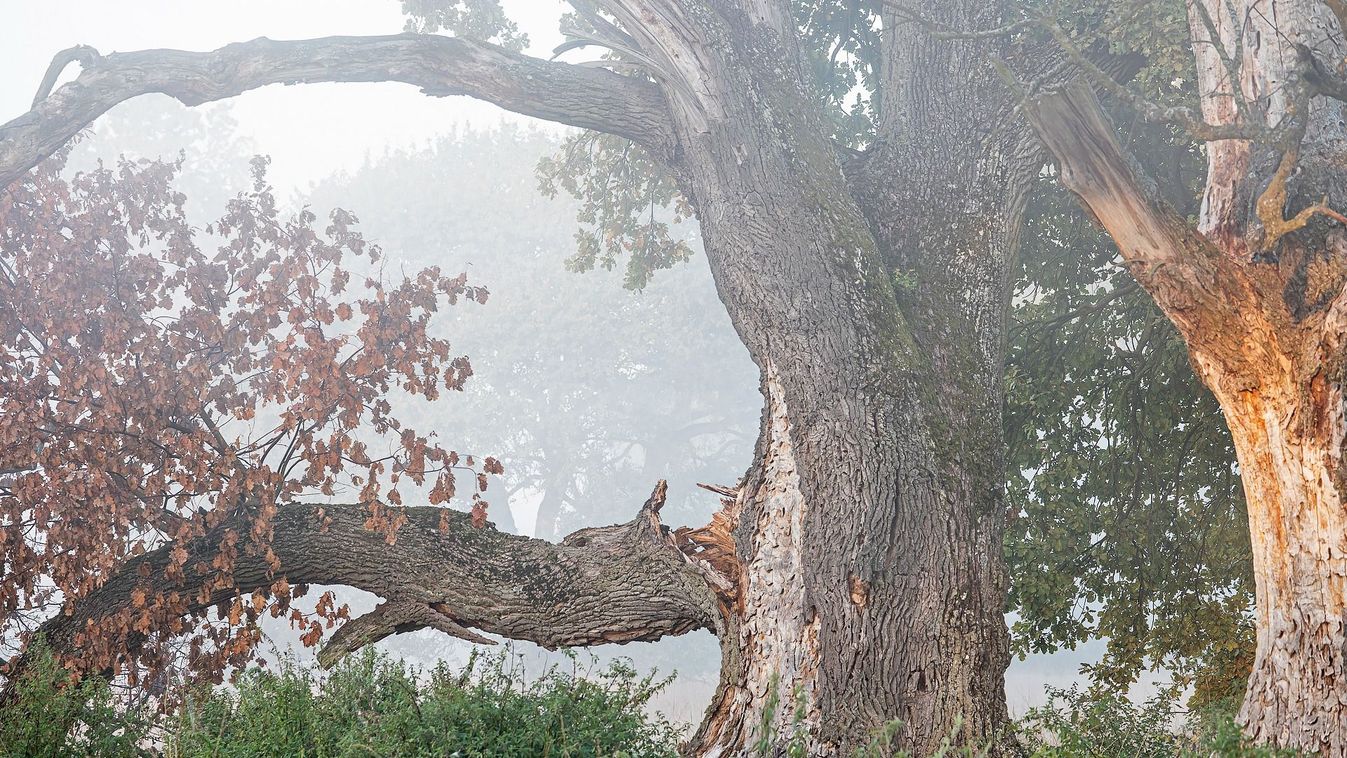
{"points": [[856, 569], [868, 534], [1256, 288], [609, 584], [589, 98]]}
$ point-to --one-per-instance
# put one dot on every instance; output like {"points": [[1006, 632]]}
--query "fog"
{"points": [[587, 391]]}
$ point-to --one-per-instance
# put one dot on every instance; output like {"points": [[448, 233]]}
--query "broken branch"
{"points": [[618, 583]]}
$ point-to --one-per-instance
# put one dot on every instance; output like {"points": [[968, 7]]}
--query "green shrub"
{"points": [[1076, 724], [371, 706], [53, 717]]}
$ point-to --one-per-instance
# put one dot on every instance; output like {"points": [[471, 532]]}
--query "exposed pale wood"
{"points": [[1183, 270]]}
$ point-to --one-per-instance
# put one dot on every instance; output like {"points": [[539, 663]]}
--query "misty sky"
{"points": [[309, 130]]}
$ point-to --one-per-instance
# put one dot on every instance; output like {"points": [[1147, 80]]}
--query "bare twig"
{"points": [[1272, 201]]}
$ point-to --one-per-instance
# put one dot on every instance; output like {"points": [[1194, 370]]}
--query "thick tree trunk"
{"points": [[866, 540], [890, 609], [1289, 436]]}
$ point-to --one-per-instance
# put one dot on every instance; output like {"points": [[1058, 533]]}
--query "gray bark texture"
{"points": [[856, 569]]}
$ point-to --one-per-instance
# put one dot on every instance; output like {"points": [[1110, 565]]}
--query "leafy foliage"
{"points": [[1156, 29], [622, 194], [841, 39], [151, 390], [370, 705], [1076, 723], [52, 716], [483, 20], [215, 157], [1131, 520]]}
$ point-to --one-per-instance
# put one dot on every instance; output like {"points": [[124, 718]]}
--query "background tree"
{"points": [[585, 390], [1254, 286], [598, 391]]}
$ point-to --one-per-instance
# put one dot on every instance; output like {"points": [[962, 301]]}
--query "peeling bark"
{"points": [[1293, 473], [1258, 289], [774, 632]]}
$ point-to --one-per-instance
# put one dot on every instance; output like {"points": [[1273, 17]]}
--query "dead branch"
{"points": [[87, 56]]}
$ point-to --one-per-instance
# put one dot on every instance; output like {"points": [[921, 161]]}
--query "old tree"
{"points": [[1255, 285], [859, 172], [857, 565]]}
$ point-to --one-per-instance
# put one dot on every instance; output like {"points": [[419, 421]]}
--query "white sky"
{"points": [[309, 130]]}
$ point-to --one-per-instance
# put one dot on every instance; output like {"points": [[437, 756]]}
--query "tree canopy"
{"points": [[156, 391]]}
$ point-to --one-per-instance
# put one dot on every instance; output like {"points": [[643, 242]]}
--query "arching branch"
{"points": [[591, 98]]}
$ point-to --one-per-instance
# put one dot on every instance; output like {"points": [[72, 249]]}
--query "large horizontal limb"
{"points": [[610, 584], [591, 98]]}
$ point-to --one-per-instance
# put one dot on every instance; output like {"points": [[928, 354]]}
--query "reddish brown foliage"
{"points": [[157, 381]]}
